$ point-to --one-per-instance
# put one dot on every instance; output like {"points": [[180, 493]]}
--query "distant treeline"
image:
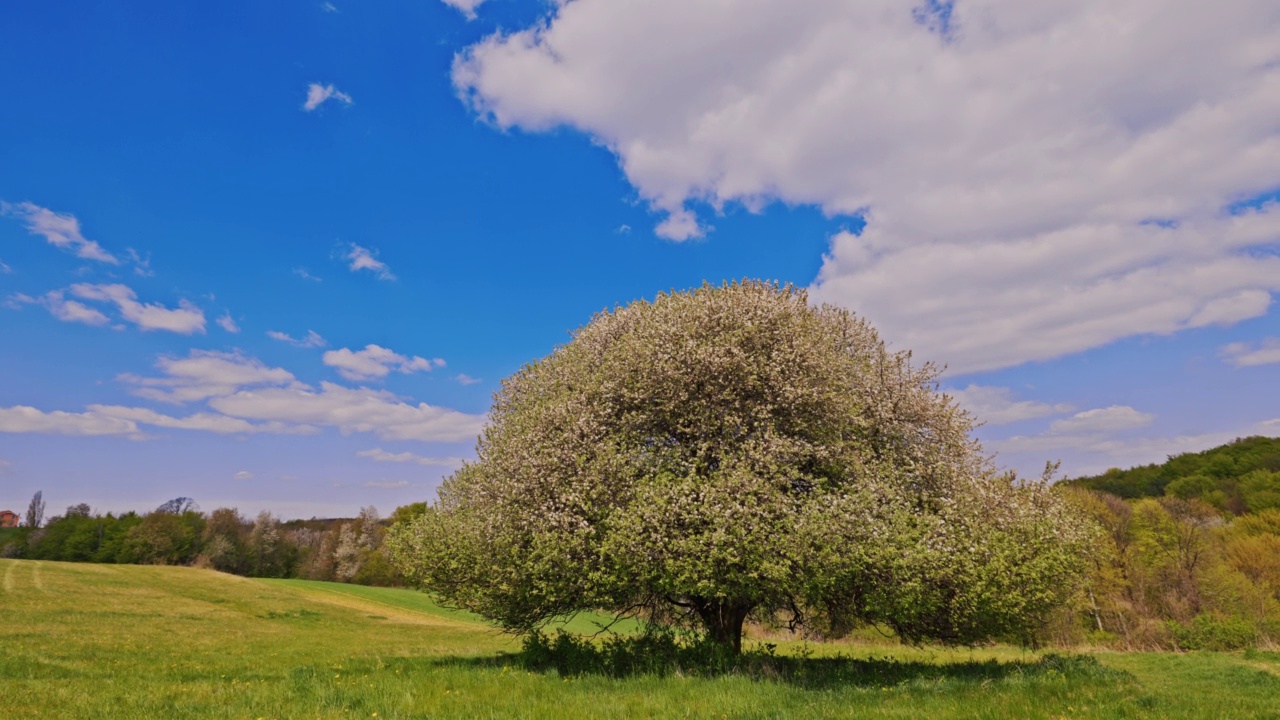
{"points": [[1240, 477], [178, 533]]}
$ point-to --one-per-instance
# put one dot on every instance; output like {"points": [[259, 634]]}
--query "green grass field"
{"points": [[106, 641]]}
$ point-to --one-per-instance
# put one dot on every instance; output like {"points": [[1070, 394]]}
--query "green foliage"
{"points": [[1211, 632], [734, 452], [1241, 476]]}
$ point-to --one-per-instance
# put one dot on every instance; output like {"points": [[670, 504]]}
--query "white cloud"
{"points": [[6, 466], [26, 419], [243, 475], [375, 362], [63, 309], [380, 455], [305, 275], [466, 7], [386, 484], [187, 319], [362, 258], [466, 379], [997, 405], [352, 410], [207, 422], [226, 322], [329, 7], [318, 94], [4, 268], [60, 229], [204, 374], [1263, 352], [1102, 420], [312, 339], [1010, 159]]}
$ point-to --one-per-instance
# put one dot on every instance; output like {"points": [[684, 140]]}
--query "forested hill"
{"points": [[1241, 476]]}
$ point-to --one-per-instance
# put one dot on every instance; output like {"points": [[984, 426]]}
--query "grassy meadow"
{"points": [[109, 641]]}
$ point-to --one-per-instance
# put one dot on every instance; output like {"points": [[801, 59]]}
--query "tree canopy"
{"points": [[1241, 476], [734, 451]]}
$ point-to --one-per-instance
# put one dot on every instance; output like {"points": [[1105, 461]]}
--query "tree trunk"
{"points": [[724, 621]]}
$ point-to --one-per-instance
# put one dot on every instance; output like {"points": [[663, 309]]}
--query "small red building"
{"points": [[8, 518]]}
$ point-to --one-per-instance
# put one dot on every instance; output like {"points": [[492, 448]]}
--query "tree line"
{"points": [[179, 533]]}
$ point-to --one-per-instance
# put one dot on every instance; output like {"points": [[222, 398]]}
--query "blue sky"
{"points": [[280, 255]]}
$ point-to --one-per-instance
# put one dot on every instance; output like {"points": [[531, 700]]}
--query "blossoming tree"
{"points": [[733, 452]]}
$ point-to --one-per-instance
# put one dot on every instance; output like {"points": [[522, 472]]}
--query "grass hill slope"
{"points": [[1241, 476], [107, 641]]}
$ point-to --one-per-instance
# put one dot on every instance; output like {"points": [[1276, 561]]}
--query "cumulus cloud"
{"points": [[375, 362], [312, 339], [362, 258], [26, 419], [352, 410], [466, 7], [244, 396], [204, 374], [998, 406], [1036, 178], [60, 229], [186, 319], [318, 95], [226, 322], [380, 455], [1263, 352], [243, 475], [466, 379]]}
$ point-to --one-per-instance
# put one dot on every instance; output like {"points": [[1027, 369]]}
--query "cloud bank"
{"points": [[1036, 178]]}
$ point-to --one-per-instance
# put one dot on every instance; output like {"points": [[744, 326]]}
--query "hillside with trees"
{"points": [[1240, 477]]}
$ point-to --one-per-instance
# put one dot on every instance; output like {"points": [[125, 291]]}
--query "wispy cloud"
{"points": [[242, 475], [385, 484], [375, 362], [61, 308], [466, 379], [466, 7], [5, 269], [305, 275], [362, 258], [186, 319], [998, 406], [329, 7], [380, 455], [312, 339], [59, 229], [228, 323], [1263, 352], [141, 265], [318, 95]]}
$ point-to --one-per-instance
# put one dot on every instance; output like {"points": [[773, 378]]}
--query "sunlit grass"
{"points": [[95, 641]]}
